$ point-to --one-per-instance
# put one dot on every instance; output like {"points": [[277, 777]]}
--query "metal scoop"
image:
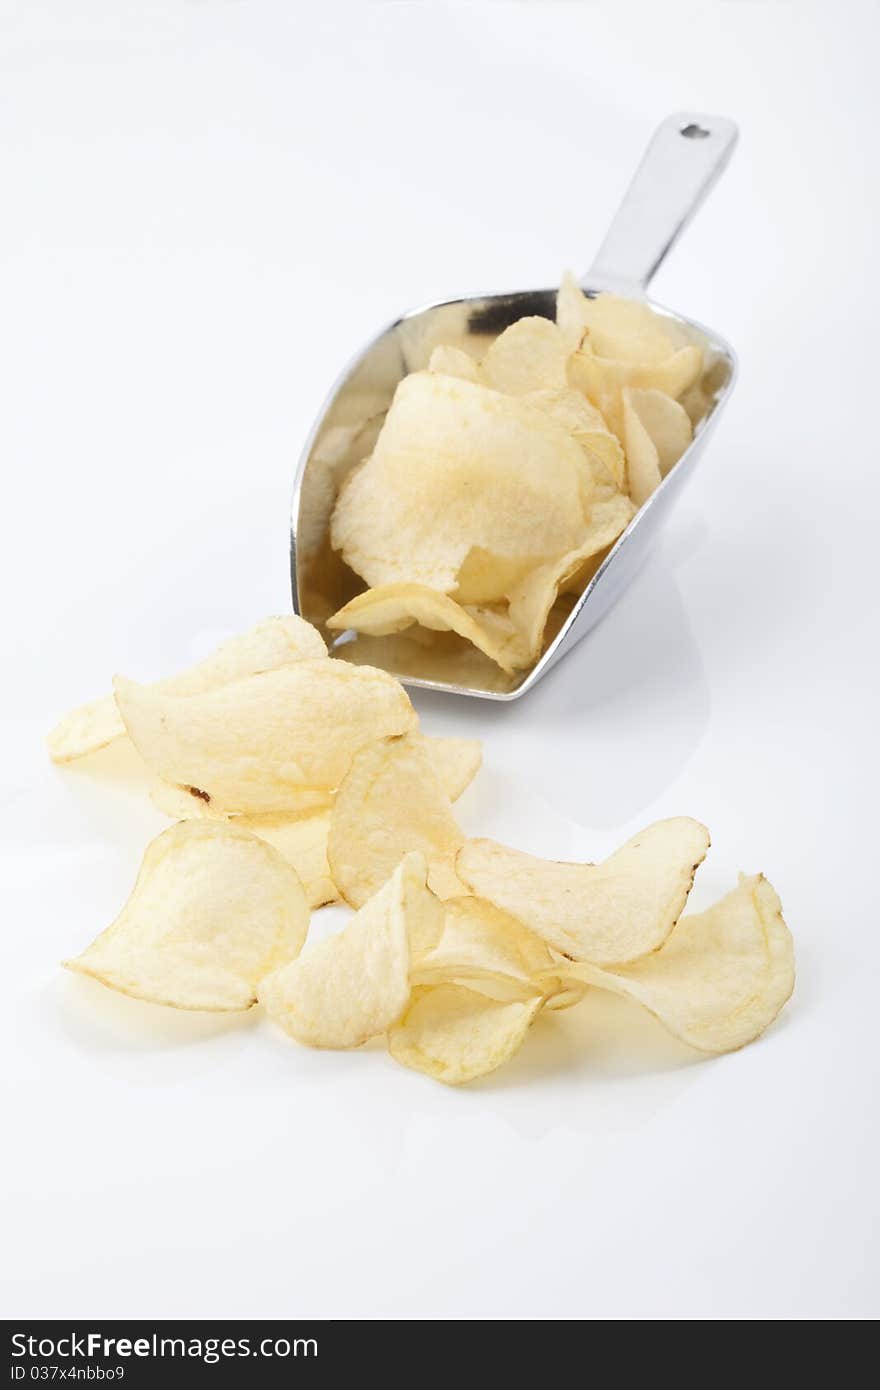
{"points": [[680, 165]]}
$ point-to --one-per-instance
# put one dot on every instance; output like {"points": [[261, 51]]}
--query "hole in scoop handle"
{"points": [[686, 155]]}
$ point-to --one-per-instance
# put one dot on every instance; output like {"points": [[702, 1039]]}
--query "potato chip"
{"points": [[530, 355], [302, 841], [458, 466], [572, 307], [642, 460], [394, 607], [344, 990], [720, 978], [534, 596], [586, 424], [455, 1034], [456, 761], [605, 913], [213, 910], [602, 379], [484, 576], [627, 330], [274, 642], [666, 423], [255, 744], [454, 361], [191, 803], [480, 942], [391, 802]]}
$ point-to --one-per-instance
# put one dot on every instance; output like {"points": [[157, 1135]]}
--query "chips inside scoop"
{"points": [[605, 913], [532, 599], [355, 984], [454, 361], [530, 355], [455, 1034], [213, 910], [392, 802], [392, 608], [603, 379], [656, 431], [458, 466], [602, 450], [722, 975], [274, 642], [256, 744]]}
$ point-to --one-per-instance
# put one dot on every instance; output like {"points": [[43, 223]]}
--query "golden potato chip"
{"points": [[391, 802], [274, 642], [720, 978], [191, 803], [666, 423], [642, 461], [393, 607], [454, 361], [480, 942], [602, 379], [483, 577], [456, 1034], [456, 761], [355, 984], [256, 744], [586, 424], [572, 307], [213, 910], [302, 841], [627, 330], [606, 913], [530, 355], [534, 596], [458, 466]]}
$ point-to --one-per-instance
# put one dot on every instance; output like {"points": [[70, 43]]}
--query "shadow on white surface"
{"points": [[98, 1019], [604, 1038]]}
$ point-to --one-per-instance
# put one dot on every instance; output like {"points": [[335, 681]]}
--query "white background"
{"points": [[206, 207]]}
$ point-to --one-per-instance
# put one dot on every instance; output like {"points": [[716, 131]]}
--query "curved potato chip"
{"points": [[480, 942], [666, 423], [483, 576], [603, 378], [302, 841], [571, 311], [274, 642], [213, 910], [191, 803], [456, 761], [571, 409], [394, 607], [530, 355], [605, 913], [455, 1034], [355, 984], [458, 466], [255, 744], [720, 978], [535, 595], [642, 461], [391, 802], [452, 361]]}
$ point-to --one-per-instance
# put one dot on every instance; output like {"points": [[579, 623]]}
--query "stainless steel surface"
{"points": [[686, 155]]}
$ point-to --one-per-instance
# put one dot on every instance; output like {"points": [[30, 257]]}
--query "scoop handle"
{"points": [[687, 153]]}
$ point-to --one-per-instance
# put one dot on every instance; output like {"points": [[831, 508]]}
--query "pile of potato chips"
{"points": [[496, 486], [298, 780]]}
